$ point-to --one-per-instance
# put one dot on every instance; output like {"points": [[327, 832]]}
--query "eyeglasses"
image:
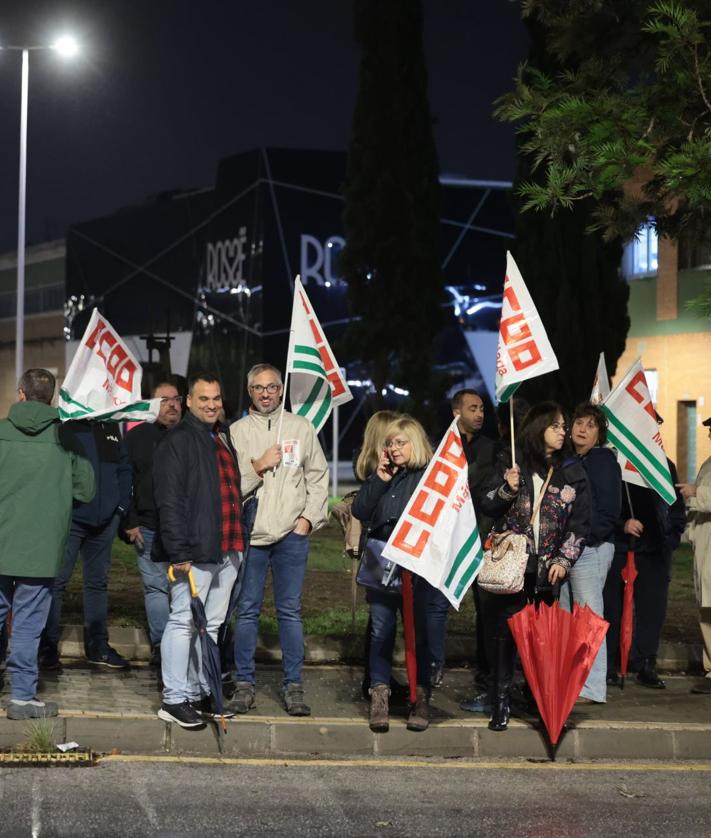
{"points": [[173, 399], [261, 388], [559, 426], [397, 444]]}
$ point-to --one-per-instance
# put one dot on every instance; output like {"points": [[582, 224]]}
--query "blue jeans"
{"points": [[287, 559], [586, 583], [94, 546], [181, 658], [437, 615], [29, 599], [384, 610], [155, 587]]}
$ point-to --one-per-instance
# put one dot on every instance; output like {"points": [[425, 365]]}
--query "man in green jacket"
{"points": [[38, 481]]}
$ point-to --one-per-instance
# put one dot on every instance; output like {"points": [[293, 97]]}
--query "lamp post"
{"points": [[67, 47]]}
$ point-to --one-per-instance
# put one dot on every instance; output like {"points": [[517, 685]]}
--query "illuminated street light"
{"points": [[67, 47]]}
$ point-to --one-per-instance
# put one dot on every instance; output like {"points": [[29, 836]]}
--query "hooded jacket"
{"points": [[38, 481], [298, 487]]}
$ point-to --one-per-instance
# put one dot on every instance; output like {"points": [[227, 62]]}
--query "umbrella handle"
{"points": [[191, 581]]}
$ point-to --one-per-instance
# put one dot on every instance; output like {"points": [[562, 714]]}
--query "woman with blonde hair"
{"points": [[379, 504], [373, 442]]}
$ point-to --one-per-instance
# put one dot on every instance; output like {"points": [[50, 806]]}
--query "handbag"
{"points": [[351, 526], [504, 564], [374, 568]]}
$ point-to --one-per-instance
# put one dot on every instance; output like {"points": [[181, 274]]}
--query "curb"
{"points": [[132, 644], [274, 737]]}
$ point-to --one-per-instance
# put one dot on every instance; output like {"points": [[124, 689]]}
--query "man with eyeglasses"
{"points": [[288, 475], [140, 521]]}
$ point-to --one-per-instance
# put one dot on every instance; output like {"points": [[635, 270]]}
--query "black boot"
{"points": [[505, 658], [647, 675]]}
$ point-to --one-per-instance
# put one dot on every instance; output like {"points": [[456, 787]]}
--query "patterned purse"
{"points": [[505, 561]]}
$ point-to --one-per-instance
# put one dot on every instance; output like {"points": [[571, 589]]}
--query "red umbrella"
{"points": [[408, 628], [629, 574], [557, 651]]}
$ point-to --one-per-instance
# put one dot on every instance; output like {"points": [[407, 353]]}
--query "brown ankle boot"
{"points": [[379, 719], [419, 718]]}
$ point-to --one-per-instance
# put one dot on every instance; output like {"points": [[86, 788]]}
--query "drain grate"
{"points": [[39, 758]]}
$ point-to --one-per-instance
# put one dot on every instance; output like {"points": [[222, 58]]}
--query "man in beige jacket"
{"points": [[698, 497], [288, 474]]}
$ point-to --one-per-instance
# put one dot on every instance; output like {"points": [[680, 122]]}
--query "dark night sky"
{"points": [[165, 88]]}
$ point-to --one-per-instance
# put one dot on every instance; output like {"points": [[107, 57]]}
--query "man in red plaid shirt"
{"points": [[199, 529]]}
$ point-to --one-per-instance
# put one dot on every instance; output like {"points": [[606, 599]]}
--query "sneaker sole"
{"points": [[165, 715], [109, 665], [298, 713], [28, 717]]}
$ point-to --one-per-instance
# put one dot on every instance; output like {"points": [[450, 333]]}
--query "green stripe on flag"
{"points": [[309, 367], [660, 485], [319, 418], [508, 392], [63, 394], [307, 350], [467, 575], [461, 556], [311, 398], [641, 467]]}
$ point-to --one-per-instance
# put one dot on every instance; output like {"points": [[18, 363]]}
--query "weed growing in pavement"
{"points": [[39, 736]]}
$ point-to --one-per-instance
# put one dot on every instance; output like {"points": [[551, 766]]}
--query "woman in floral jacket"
{"points": [[555, 539]]}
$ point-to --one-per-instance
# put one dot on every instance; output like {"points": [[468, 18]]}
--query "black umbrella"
{"points": [[210, 651]]}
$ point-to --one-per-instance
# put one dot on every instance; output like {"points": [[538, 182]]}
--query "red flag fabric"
{"points": [[557, 651], [629, 574], [408, 630]]}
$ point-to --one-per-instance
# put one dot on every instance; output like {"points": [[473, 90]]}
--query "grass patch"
{"points": [[326, 603], [39, 736]]}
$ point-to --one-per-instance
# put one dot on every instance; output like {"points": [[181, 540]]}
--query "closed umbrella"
{"points": [[209, 650], [629, 574], [408, 630], [557, 650]]}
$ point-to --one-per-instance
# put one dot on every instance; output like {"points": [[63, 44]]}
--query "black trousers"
{"points": [[499, 643], [651, 589]]}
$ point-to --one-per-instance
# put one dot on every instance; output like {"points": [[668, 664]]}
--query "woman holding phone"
{"points": [[379, 504]]}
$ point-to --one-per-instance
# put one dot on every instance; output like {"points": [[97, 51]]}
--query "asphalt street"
{"points": [[392, 798]]}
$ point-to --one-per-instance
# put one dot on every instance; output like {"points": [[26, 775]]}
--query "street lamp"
{"points": [[66, 47]]}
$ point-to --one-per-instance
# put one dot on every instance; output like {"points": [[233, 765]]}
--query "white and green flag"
{"points": [[634, 432], [437, 536], [316, 384], [104, 379], [524, 350]]}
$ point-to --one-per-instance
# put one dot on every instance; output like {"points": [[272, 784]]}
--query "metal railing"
{"points": [[37, 300]]}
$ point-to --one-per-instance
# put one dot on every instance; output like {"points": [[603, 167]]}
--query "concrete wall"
{"points": [[679, 348], [44, 347]]}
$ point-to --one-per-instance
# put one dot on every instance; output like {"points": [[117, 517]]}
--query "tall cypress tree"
{"points": [[573, 274], [391, 215]]}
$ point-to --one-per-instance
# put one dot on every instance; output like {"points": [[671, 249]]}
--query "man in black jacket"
{"points": [[653, 530], [94, 527], [199, 531], [480, 451], [140, 520]]}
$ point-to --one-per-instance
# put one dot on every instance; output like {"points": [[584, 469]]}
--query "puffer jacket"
{"points": [[297, 488], [565, 514]]}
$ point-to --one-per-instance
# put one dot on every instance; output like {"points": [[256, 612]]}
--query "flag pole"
{"points": [[511, 425]]}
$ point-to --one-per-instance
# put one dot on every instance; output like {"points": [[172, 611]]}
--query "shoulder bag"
{"points": [[504, 563]]}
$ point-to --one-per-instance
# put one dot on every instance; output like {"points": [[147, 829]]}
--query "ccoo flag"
{"points": [[524, 349], [104, 379], [437, 536], [601, 384], [633, 430], [315, 381]]}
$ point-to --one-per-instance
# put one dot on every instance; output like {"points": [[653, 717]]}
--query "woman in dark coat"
{"points": [[554, 541], [379, 504]]}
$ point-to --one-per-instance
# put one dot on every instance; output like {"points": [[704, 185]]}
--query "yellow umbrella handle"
{"points": [[191, 581]]}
